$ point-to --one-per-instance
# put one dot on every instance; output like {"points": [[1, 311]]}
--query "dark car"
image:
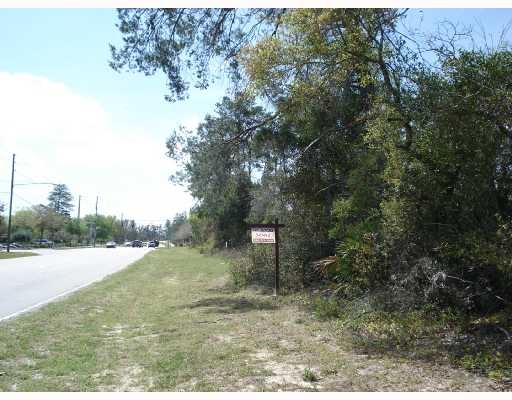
{"points": [[137, 243], [151, 243], [43, 242]]}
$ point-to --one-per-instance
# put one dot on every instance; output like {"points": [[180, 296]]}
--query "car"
{"points": [[43, 242], [128, 244], [137, 243], [111, 244], [151, 243]]}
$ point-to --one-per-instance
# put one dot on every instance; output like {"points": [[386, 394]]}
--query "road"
{"points": [[29, 282]]}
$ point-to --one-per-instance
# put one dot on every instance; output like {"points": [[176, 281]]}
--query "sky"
{"points": [[71, 119]]}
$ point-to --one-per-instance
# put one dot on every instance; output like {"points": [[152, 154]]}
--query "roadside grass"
{"points": [[173, 322], [16, 254]]}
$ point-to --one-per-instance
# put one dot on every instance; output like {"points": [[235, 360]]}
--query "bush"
{"points": [[254, 266], [326, 308], [22, 235]]}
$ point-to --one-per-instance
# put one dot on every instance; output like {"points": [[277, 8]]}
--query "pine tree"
{"points": [[60, 200]]}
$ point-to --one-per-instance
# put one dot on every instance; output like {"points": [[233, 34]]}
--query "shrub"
{"points": [[309, 376], [326, 308], [22, 235]]}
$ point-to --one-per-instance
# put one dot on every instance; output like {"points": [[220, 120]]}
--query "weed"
{"points": [[326, 308], [309, 376]]}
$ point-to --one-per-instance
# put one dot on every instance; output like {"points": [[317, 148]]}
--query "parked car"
{"points": [[128, 244], [137, 243], [111, 244], [151, 243], [43, 242]]}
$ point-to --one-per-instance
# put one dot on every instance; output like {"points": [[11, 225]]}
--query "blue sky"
{"points": [[71, 46], [71, 119]]}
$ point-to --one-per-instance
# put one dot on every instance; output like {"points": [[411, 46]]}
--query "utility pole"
{"points": [[95, 222], [10, 207], [78, 218]]}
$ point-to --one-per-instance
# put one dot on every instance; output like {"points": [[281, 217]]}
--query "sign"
{"points": [[268, 233], [263, 235]]}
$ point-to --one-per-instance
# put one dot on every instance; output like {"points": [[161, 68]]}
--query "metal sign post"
{"points": [[269, 233]]}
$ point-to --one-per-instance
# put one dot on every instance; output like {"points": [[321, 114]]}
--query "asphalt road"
{"points": [[30, 282]]}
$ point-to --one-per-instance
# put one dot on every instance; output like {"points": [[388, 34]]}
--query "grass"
{"points": [[172, 322], [16, 254], [479, 345]]}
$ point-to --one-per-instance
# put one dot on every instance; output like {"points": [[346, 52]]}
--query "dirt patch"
{"points": [[288, 376], [129, 377], [284, 374], [369, 370], [187, 386], [288, 344], [263, 354], [223, 338], [24, 362]]}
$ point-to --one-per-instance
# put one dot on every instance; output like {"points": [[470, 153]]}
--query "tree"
{"points": [[168, 229], [184, 42], [47, 220], [401, 166], [2, 223], [218, 174], [60, 199]]}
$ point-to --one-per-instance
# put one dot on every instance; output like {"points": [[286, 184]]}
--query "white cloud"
{"points": [[61, 136]]}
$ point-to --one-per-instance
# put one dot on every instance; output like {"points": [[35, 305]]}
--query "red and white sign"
{"points": [[263, 235]]}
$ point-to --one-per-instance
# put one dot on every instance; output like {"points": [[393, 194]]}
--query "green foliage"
{"points": [[3, 227], [183, 42], [400, 167], [309, 376], [60, 199], [217, 174], [22, 235], [326, 308], [238, 270]]}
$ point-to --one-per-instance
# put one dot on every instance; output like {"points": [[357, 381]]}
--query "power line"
{"points": [[22, 174], [32, 169], [33, 181], [25, 200]]}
